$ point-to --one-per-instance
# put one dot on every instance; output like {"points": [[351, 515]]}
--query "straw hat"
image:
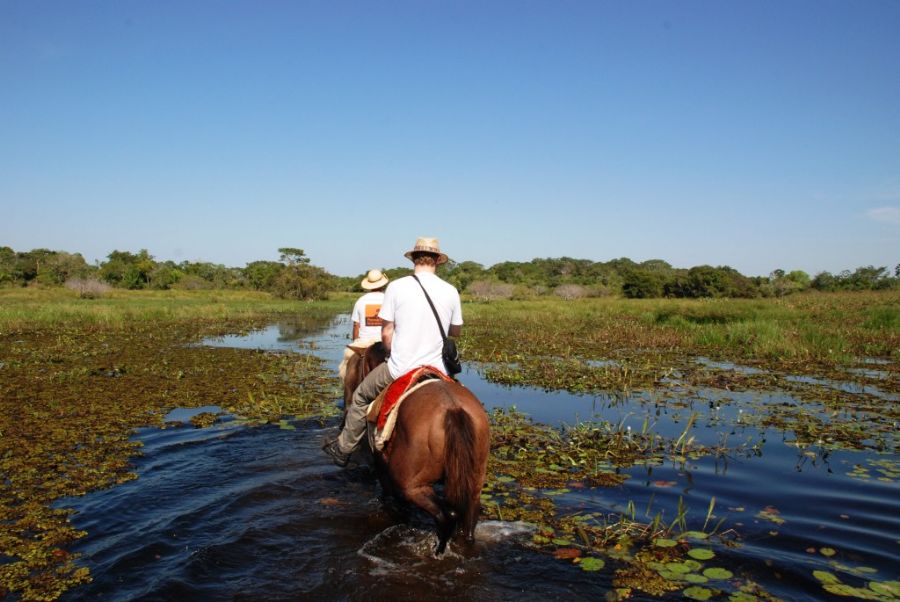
{"points": [[373, 280], [427, 245]]}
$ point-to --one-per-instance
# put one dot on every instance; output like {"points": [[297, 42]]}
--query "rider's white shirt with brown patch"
{"points": [[365, 313]]}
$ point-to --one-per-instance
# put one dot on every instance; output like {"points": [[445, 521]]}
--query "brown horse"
{"points": [[441, 435]]}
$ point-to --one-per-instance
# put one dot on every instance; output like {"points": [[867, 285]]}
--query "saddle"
{"points": [[383, 411]]}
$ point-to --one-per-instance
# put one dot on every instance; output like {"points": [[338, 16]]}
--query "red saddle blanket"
{"points": [[401, 385]]}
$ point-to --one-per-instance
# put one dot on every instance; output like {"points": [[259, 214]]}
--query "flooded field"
{"points": [[712, 491]]}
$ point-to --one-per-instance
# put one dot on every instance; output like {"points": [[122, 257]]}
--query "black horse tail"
{"points": [[462, 488]]}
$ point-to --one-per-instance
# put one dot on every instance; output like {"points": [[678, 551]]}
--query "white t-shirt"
{"points": [[417, 340], [365, 313]]}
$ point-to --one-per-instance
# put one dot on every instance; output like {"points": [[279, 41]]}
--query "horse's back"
{"points": [[428, 404]]}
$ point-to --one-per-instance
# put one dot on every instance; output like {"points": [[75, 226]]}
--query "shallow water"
{"points": [[239, 513]]}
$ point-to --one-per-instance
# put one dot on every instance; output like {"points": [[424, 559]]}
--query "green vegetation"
{"points": [[557, 344], [674, 353], [78, 376], [293, 276]]}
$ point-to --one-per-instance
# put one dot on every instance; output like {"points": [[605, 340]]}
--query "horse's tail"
{"points": [[462, 486]]}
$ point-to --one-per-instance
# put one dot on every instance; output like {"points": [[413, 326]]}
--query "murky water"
{"points": [[237, 513]]}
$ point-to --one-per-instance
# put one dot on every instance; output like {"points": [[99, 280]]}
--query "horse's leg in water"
{"points": [[414, 469], [425, 498]]}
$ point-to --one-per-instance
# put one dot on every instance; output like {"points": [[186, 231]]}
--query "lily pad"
{"points": [[841, 589], [886, 588], [692, 564], [590, 563], [701, 553], [742, 597], [694, 535], [662, 542], [695, 578], [671, 575], [826, 577], [697, 593], [718, 573], [678, 567], [829, 552]]}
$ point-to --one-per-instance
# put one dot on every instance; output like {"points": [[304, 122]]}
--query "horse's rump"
{"points": [[442, 433]]}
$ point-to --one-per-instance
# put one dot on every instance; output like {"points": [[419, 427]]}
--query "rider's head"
{"points": [[427, 251]]}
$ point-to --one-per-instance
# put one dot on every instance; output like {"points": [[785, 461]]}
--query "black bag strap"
{"points": [[441, 328]]}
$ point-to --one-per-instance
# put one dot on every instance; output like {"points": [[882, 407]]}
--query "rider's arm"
{"points": [[355, 331], [387, 335], [455, 330]]}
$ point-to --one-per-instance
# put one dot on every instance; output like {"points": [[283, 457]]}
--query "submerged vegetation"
{"points": [[829, 362], [79, 375]]}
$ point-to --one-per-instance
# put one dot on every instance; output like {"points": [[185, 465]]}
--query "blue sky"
{"points": [[759, 135]]}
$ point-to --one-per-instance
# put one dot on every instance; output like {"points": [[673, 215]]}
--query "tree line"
{"points": [[294, 276]]}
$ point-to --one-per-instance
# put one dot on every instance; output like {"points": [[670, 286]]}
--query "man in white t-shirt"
{"points": [[366, 323], [410, 335]]}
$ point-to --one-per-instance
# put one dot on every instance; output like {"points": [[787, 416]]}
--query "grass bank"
{"points": [[614, 343], [31, 308]]}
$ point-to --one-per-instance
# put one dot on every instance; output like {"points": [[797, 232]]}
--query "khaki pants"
{"points": [[355, 425]]}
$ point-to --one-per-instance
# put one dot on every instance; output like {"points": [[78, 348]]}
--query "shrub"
{"points": [[570, 291], [488, 290], [192, 282], [87, 288]]}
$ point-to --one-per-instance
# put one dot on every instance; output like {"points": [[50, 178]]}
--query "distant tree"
{"points": [[824, 281], [461, 275], [656, 265], [786, 284], [293, 256], [8, 274], [869, 278], [393, 273], [128, 270], [708, 281], [61, 266], [165, 275], [643, 284], [261, 275], [299, 279]]}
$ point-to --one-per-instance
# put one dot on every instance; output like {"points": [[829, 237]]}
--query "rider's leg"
{"points": [[355, 426]]}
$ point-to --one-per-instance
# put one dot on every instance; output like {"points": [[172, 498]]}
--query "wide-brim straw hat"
{"points": [[374, 279], [427, 245]]}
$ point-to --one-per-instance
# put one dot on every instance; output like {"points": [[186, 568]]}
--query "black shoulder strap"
{"points": [[441, 328]]}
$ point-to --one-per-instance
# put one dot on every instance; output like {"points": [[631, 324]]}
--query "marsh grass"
{"points": [[29, 308], [830, 329]]}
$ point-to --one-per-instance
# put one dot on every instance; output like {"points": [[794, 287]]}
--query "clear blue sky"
{"points": [[755, 134]]}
